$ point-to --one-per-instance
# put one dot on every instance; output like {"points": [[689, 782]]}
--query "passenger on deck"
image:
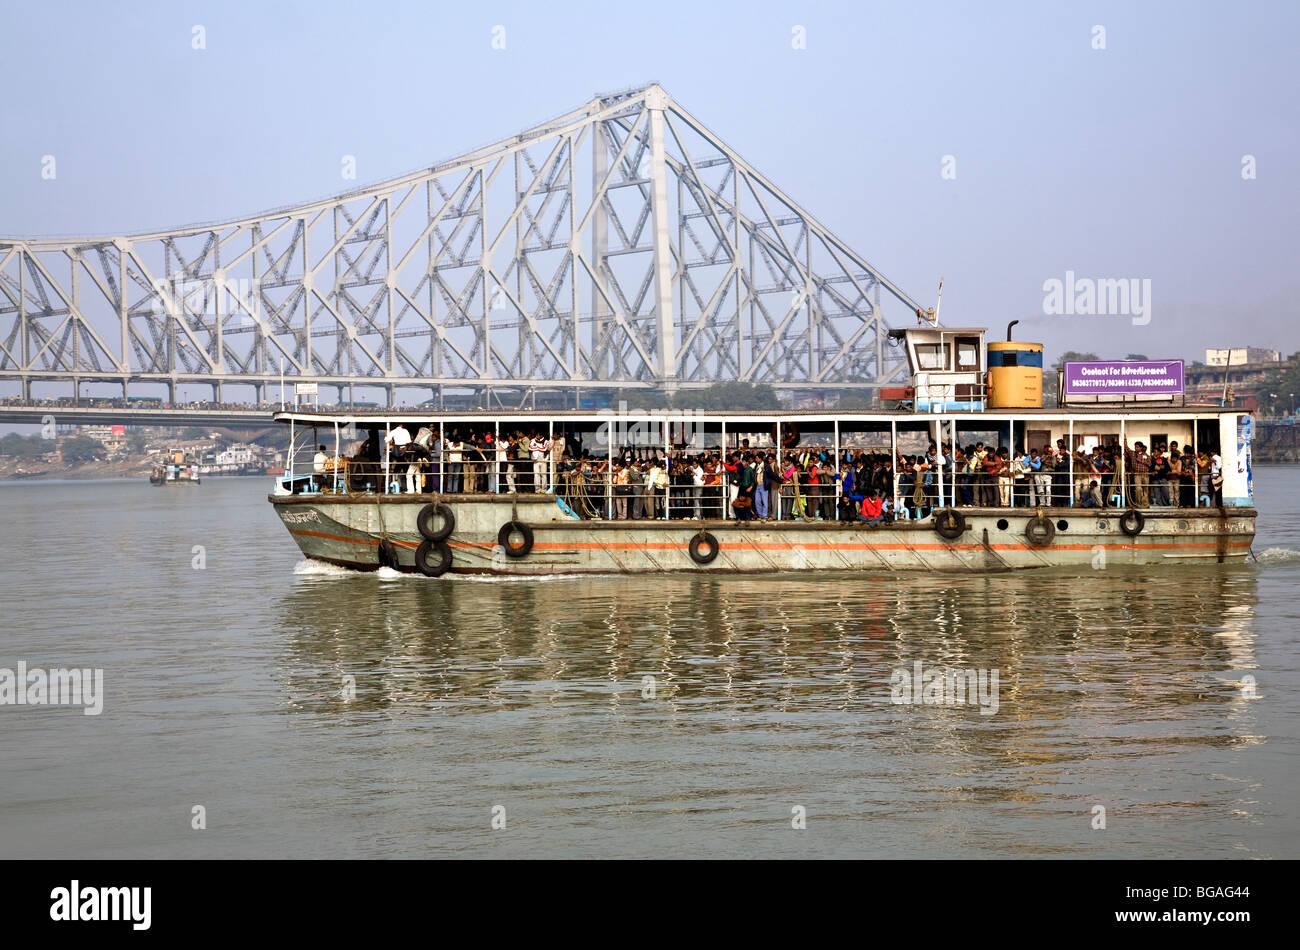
{"points": [[455, 463], [1175, 458], [538, 448], [1091, 496], [992, 467], [1188, 478], [872, 509], [697, 489], [636, 479], [771, 485], [505, 475], [398, 440], [1138, 462], [1159, 478]]}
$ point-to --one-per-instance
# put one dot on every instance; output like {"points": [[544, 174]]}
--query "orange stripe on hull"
{"points": [[772, 546]]}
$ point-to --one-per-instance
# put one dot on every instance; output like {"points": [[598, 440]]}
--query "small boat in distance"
{"points": [[174, 469], [961, 469]]}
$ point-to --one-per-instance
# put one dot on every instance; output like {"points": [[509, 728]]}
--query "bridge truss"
{"points": [[621, 245]]}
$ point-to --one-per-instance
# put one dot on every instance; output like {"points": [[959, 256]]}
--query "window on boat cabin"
{"points": [[968, 354], [1158, 438], [932, 356]]}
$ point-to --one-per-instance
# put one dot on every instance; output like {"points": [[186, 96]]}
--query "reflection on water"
{"points": [[1097, 672], [1066, 644]]}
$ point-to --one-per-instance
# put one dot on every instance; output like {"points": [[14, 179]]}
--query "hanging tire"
{"points": [[950, 523], [426, 522], [387, 554], [515, 550], [1040, 531], [703, 548], [1132, 523], [433, 558]]}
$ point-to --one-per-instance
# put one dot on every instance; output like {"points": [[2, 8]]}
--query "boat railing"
{"points": [[590, 489]]}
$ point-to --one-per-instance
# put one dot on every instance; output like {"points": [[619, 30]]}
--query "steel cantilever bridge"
{"points": [[622, 245]]}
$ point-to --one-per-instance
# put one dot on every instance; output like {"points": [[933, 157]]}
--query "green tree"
{"points": [[23, 446], [194, 432], [1279, 393], [1137, 356], [640, 398], [80, 448]]}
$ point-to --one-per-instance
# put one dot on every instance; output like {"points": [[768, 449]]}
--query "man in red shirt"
{"points": [[872, 508]]}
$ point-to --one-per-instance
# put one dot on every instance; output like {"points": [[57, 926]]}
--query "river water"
{"points": [[313, 712]]}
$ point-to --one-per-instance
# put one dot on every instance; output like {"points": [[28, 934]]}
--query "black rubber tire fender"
{"points": [[703, 548], [433, 558], [1132, 522], [512, 550], [427, 519], [1039, 531], [950, 523]]}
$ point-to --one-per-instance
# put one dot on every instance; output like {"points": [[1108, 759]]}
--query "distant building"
{"points": [[236, 455], [1241, 355]]}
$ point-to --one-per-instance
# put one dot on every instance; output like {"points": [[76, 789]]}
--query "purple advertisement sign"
{"points": [[1124, 378]]}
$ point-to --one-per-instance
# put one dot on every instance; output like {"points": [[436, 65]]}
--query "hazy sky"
{"points": [[1123, 162]]}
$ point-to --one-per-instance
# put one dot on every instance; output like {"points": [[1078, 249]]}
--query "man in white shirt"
{"points": [[398, 440], [504, 470], [651, 487], [318, 466], [537, 447], [1216, 478], [697, 487], [455, 468]]}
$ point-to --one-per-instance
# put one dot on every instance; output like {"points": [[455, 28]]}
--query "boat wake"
{"points": [[1278, 556], [309, 568]]}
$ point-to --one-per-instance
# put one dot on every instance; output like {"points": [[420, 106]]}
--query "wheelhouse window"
{"points": [[968, 354], [932, 356]]}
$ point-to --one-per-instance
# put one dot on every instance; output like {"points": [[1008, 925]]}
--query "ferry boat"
{"points": [[174, 469], [542, 493]]}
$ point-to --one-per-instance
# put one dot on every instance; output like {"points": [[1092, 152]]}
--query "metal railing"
{"points": [[588, 489]]}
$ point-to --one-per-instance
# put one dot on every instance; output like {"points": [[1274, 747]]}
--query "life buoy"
{"points": [[433, 558], [1132, 523], [387, 554], [950, 523], [428, 518], [789, 435], [1040, 531], [515, 550], [703, 548]]}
